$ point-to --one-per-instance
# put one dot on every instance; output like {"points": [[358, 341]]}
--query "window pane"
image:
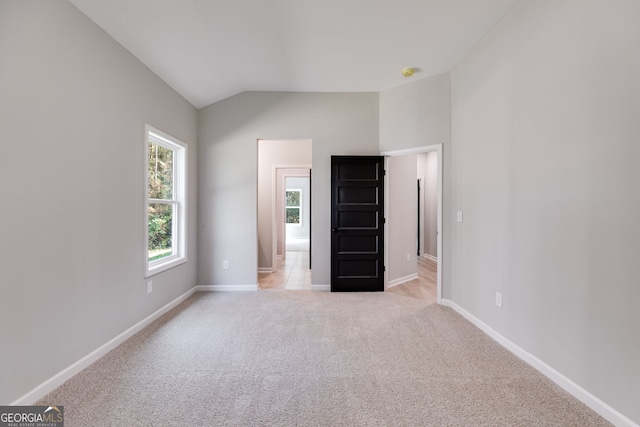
{"points": [[293, 216], [160, 172], [160, 231], [293, 198]]}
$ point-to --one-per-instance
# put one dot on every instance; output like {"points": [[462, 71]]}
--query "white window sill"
{"points": [[164, 266]]}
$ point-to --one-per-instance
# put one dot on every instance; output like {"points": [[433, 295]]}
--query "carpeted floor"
{"points": [[299, 358]]}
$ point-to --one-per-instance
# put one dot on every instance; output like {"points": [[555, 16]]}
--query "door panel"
{"points": [[357, 223], [357, 244], [357, 195], [358, 220]]}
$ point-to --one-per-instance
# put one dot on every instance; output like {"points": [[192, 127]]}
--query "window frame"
{"points": [[299, 207], [178, 201]]}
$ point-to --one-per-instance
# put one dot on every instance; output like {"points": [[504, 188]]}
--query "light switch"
{"points": [[459, 216]]}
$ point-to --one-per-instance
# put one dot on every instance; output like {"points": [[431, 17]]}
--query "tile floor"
{"points": [[425, 286], [293, 273]]}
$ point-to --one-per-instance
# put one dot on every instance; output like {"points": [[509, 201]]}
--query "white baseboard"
{"points": [[321, 288], [431, 257], [265, 270], [606, 411], [58, 379], [226, 288], [402, 280]]}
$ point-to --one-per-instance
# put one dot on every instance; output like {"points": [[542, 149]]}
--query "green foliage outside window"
{"points": [[160, 214], [293, 216], [292, 211], [293, 198]]}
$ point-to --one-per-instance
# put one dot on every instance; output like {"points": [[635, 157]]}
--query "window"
{"points": [[293, 208], [166, 190]]}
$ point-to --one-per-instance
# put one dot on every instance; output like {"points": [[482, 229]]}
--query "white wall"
{"points": [[416, 114], [338, 123], [402, 219], [302, 230], [545, 167], [73, 105], [270, 154]]}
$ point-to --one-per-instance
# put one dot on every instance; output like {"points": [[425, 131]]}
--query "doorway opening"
{"points": [[414, 243], [284, 214]]}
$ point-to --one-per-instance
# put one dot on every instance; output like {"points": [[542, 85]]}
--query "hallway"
{"points": [[425, 286], [293, 273]]}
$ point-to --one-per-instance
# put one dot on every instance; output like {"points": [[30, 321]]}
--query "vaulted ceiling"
{"points": [[208, 50]]}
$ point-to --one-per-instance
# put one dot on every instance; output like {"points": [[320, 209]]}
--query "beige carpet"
{"points": [[297, 358]]}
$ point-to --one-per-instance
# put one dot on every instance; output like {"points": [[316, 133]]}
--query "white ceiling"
{"points": [[208, 50]]}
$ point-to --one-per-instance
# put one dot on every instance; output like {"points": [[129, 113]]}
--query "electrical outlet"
{"points": [[225, 264], [149, 286], [499, 299]]}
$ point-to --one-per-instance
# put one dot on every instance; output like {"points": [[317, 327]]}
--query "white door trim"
{"points": [[421, 215], [275, 201], [425, 149]]}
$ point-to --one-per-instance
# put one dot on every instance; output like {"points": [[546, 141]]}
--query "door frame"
{"points": [[274, 206], [437, 148], [421, 215]]}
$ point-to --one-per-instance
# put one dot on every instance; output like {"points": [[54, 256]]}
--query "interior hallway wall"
{"points": [[273, 153], [428, 169], [545, 167], [402, 220], [74, 104]]}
